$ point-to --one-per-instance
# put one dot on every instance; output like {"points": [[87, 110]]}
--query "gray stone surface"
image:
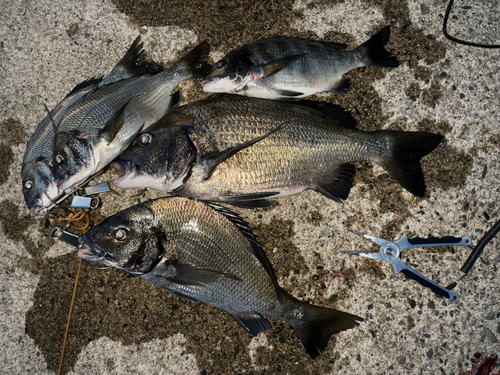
{"points": [[122, 325]]}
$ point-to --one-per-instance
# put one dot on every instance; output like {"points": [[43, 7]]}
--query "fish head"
{"points": [[230, 74], [73, 159], [39, 186], [128, 241], [159, 159]]}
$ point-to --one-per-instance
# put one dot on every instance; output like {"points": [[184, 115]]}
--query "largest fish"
{"points": [[208, 254], [39, 187], [98, 127], [240, 150]]}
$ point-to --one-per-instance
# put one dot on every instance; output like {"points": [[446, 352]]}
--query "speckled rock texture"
{"points": [[123, 325]]}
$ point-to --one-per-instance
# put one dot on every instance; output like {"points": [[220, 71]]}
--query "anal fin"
{"points": [[252, 323], [341, 86], [340, 185]]}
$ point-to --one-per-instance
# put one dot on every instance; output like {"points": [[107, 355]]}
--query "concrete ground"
{"points": [[122, 325]]}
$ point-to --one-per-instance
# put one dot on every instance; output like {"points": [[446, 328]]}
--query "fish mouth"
{"points": [[205, 81], [35, 210], [39, 205], [85, 253], [130, 172], [70, 182]]}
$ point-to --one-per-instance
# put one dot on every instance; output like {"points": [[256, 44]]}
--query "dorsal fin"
{"points": [[131, 65], [257, 249], [336, 112], [94, 81]]}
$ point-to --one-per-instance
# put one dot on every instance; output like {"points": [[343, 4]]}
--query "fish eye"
{"points": [[120, 234], [220, 64], [28, 185], [59, 159], [145, 139]]}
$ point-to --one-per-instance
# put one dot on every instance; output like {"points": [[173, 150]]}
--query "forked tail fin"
{"points": [[374, 49], [317, 324], [407, 150], [195, 61]]}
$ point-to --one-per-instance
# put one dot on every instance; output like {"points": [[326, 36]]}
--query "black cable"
{"points": [[445, 32], [476, 253], [480, 247]]}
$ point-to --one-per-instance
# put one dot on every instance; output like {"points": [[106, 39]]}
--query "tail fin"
{"points": [[318, 324], [376, 54], [195, 61], [407, 150]]}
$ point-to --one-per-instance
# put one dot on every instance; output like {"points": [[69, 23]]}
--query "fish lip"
{"points": [[85, 253], [205, 81], [126, 166], [35, 209], [63, 184]]}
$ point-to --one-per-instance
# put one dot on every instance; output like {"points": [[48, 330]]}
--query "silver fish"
{"points": [[39, 186], [241, 150], [208, 254], [293, 68], [97, 128]]}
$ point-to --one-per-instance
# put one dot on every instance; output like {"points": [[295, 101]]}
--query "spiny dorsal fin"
{"points": [[131, 65], [257, 249], [87, 83], [54, 126]]}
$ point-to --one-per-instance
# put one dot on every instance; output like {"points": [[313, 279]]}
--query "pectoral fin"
{"points": [[187, 274], [213, 159], [276, 66], [114, 124]]}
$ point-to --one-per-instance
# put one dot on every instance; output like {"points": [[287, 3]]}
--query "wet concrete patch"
{"points": [[281, 251], [11, 133], [225, 25], [14, 225]]}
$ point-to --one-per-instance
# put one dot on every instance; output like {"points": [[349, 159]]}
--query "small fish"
{"points": [[207, 253], [100, 126], [292, 68], [39, 186], [242, 150]]}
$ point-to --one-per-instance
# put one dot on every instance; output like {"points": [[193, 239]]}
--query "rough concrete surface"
{"points": [[123, 325]]}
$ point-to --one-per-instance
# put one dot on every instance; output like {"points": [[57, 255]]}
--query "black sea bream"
{"points": [[207, 253], [292, 68]]}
